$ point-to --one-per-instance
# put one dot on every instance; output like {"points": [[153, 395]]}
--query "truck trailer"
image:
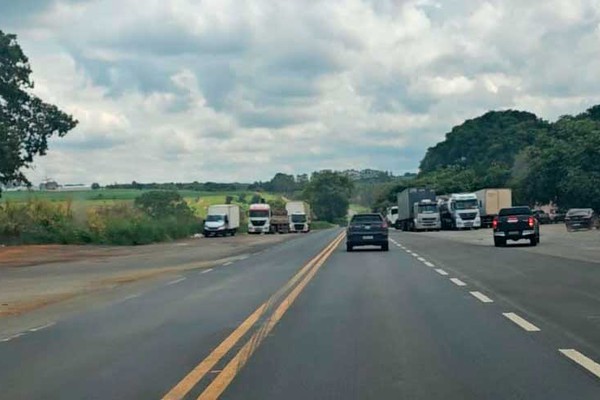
{"points": [[491, 201], [222, 220], [299, 216], [418, 210]]}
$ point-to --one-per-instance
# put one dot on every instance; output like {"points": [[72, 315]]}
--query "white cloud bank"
{"points": [[221, 90]]}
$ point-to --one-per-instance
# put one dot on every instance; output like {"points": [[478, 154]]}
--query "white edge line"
{"points": [[441, 272], [131, 297], [16, 335], [228, 263], [39, 328], [523, 323], [429, 264], [176, 281], [586, 362], [206, 271], [458, 282], [481, 297]]}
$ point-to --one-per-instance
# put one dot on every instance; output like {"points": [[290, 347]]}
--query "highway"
{"points": [[430, 319]]}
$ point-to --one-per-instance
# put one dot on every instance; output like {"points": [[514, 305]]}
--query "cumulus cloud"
{"points": [[229, 90]]}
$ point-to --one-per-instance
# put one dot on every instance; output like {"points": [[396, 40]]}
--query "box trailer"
{"points": [[491, 201], [417, 210], [222, 220]]}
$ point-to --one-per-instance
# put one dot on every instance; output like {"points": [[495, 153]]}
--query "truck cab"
{"points": [[427, 216], [461, 211], [259, 218], [298, 213]]}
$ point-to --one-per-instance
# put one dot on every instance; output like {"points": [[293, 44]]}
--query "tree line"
{"points": [[542, 162]]}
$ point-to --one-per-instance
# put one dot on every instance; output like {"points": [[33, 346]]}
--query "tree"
{"points": [[26, 122], [281, 183], [95, 186], [163, 203], [329, 194]]}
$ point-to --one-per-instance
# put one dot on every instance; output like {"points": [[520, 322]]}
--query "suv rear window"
{"points": [[361, 218], [515, 211]]}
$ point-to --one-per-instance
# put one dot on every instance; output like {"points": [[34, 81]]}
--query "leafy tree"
{"points": [[329, 194], [163, 203], [26, 122], [95, 186], [281, 183]]}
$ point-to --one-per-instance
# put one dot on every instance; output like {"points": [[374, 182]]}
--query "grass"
{"points": [[358, 209]]}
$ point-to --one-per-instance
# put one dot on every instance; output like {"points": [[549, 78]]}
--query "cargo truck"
{"points": [[418, 210], [491, 201], [298, 215], [460, 211], [222, 220]]}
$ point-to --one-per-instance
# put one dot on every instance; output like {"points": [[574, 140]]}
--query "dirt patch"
{"points": [[21, 307], [23, 256]]}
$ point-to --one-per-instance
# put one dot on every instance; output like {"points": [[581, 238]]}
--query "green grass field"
{"points": [[198, 201]]}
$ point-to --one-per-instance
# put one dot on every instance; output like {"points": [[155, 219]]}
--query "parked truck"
{"points": [[460, 211], [491, 201], [417, 210], [298, 216], [259, 218], [391, 215], [222, 220]]}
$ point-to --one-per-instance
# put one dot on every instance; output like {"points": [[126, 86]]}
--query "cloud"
{"points": [[236, 91]]}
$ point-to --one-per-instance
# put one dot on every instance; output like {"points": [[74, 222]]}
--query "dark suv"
{"points": [[367, 230], [516, 223]]}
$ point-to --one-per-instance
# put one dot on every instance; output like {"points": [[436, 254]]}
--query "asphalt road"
{"points": [[430, 319]]}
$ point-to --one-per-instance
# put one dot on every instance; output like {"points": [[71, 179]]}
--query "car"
{"points": [[367, 230], [516, 223], [542, 217], [581, 218]]}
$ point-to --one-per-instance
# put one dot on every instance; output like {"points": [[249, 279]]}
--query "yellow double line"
{"points": [[220, 383]]}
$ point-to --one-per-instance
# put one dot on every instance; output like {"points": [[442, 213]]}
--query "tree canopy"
{"points": [[329, 194], [26, 122]]}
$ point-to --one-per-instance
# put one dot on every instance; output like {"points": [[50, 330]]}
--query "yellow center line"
{"points": [[193, 377], [222, 381]]}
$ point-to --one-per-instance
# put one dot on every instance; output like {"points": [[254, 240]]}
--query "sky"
{"points": [[234, 90]]}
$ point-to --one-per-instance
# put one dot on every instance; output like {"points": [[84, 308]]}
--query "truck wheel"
{"points": [[349, 248]]}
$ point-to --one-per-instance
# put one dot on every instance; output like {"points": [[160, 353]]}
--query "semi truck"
{"points": [[299, 216], [262, 218], [491, 201], [417, 210], [460, 211], [222, 220]]}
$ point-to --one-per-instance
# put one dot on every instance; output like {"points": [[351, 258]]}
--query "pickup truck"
{"points": [[367, 230], [516, 223]]}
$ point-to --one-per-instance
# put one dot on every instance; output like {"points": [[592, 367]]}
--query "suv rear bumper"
{"points": [[520, 235]]}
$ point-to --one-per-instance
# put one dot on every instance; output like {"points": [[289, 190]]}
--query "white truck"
{"points": [[259, 218], [299, 216], [222, 220], [491, 201], [392, 216], [460, 211], [417, 210]]}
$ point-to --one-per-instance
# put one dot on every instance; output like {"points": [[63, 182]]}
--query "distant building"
{"points": [[49, 185]]}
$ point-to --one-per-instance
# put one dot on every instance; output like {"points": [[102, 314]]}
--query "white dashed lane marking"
{"points": [[481, 297], [176, 281], [228, 263], [528, 326], [206, 271], [441, 272], [582, 360], [429, 264], [458, 282]]}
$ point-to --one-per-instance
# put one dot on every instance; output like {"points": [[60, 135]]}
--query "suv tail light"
{"points": [[384, 224], [531, 222], [495, 223]]}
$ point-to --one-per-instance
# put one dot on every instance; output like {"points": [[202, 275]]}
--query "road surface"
{"points": [[432, 318]]}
